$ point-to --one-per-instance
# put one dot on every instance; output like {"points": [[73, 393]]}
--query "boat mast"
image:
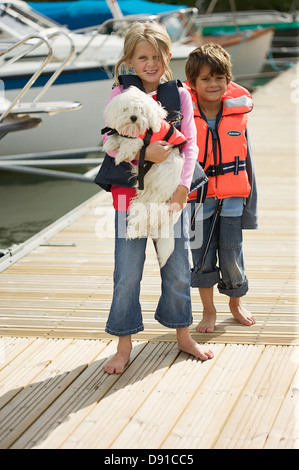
{"points": [[115, 9]]}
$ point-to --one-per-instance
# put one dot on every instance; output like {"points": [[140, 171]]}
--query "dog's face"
{"points": [[133, 112]]}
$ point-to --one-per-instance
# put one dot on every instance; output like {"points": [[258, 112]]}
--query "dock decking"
{"points": [[54, 299]]}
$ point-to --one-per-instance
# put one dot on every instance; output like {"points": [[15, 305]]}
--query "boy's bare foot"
{"points": [[207, 324], [240, 313], [117, 364], [190, 346]]}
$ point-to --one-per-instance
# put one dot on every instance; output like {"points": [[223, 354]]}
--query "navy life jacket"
{"points": [[121, 175]]}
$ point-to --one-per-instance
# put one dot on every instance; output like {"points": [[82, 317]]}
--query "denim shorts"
{"points": [[224, 263], [174, 306]]}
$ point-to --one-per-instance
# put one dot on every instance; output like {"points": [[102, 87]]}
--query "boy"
{"points": [[220, 113]]}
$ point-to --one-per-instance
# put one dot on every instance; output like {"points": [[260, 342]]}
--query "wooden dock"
{"points": [[55, 293]]}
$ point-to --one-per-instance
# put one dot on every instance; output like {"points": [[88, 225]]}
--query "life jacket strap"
{"points": [[223, 168], [168, 135], [144, 166]]}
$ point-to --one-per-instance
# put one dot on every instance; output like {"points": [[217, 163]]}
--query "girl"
{"points": [[147, 53]]}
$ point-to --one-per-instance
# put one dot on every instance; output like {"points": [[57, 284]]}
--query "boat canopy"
{"points": [[85, 13]]}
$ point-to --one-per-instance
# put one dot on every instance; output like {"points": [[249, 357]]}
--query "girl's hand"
{"points": [[157, 152], [179, 199]]}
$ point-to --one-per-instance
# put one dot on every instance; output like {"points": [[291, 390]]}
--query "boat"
{"points": [[85, 13], [16, 116], [246, 58], [285, 44], [88, 77], [285, 23]]}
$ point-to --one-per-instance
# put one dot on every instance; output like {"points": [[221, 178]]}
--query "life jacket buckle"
{"points": [[216, 170]]}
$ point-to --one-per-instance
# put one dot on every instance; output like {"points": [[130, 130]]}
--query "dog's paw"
{"points": [[111, 144]]}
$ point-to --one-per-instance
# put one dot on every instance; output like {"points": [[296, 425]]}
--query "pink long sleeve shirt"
{"points": [[122, 195]]}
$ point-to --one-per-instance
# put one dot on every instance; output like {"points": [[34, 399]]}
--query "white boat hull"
{"points": [[68, 130], [249, 55]]}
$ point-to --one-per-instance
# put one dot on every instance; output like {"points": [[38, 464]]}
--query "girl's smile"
{"points": [[147, 64]]}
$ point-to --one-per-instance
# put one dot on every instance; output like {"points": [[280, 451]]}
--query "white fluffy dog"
{"points": [[131, 113]]}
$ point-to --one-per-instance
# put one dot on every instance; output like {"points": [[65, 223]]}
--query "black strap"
{"points": [[144, 166], [223, 168], [131, 80], [170, 98], [106, 130], [211, 231], [169, 133]]}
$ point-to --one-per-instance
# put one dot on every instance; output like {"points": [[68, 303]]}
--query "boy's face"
{"points": [[210, 88]]}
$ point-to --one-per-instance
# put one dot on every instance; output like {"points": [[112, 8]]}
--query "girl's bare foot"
{"points": [[189, 346], [240, 313], [117, 364]]}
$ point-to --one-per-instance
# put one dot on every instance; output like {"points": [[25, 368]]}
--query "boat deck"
{"points": [[55, 295]]}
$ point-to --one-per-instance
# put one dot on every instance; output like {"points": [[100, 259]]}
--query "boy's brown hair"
{"points": [[212, 55]]}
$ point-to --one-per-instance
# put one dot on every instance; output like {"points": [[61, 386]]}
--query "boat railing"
{"points": [[119, 26], [63, 64], [41, 39], [37, 73]]}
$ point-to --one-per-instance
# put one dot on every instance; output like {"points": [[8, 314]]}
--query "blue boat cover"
{"points": [[84, 13]]}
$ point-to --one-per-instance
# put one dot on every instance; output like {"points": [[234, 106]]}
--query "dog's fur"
{"points": [[131, 113]]}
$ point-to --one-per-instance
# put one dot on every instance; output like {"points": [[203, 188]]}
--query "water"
{"points": [[29, 203]]}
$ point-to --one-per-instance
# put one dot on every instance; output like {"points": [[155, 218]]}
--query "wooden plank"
{"points": [[207, 412], [46, 386], [158, 414], [98, 430], [284, 433], [83, 425], [89, 385], [249, 424]]}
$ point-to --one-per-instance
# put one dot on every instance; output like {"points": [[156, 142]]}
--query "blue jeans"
{"points": [[174, 307], [226, 245]]}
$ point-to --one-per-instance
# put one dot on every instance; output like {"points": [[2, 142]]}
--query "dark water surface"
{"points": [[29, 203]]}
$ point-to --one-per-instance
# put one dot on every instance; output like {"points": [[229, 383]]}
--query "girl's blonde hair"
{"points": [[212, 55], [153, 32]]}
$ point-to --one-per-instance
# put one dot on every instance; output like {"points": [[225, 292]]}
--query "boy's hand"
{"points": [[179, 199]]}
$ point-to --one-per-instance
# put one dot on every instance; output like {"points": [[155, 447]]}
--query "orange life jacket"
{"points": [[168, 133], [223, 151]]}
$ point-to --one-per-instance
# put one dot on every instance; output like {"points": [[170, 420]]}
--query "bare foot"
{"points": [[207, 324], [117, 364], [240, 313], [189, 346]]}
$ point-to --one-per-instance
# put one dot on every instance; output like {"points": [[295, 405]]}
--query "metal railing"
{"points": [[15, 58], [42, 39], [119, 26]]}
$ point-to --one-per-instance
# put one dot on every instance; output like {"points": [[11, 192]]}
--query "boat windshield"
{"points": [[19, 22]]}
